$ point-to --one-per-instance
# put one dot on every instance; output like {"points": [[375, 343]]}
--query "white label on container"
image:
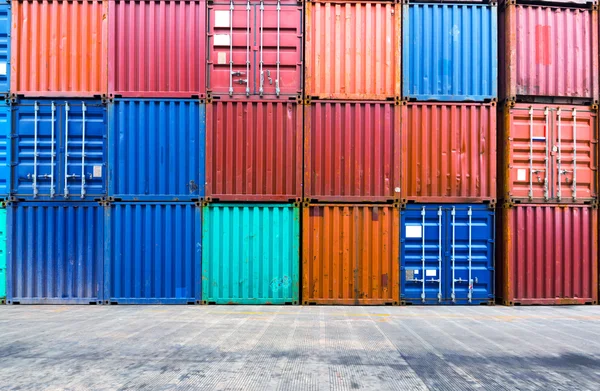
{"points": [[430, 273], [97, 171], [413, 231], [397, 190], [3, 68], [221, 58], [416, 271], [221, 18], [521, 174], [222, 40]]}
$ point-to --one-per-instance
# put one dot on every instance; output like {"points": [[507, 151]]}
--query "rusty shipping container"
{"points": [[540, 146], [254, 49], [351, 254], [156, 48], [548, 255], [352, 151], [253, 151], [59, 48], [448, 152], [548, 51], [353, 49]]}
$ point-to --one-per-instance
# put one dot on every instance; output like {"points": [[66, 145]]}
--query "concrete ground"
{"points": [[299, 348]]}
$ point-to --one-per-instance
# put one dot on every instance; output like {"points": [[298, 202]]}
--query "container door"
{"points": [[422, 254], [469, 251]]}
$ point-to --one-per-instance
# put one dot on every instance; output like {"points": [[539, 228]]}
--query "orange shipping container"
{"points": [[351, 254], [353, 49], [59, 48]]}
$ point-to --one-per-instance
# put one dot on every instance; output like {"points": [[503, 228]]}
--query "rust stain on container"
{"points": [[548, 255], [157, 48], [59, 48], [352, 151], [449, 152], [351, 254], [353, 49], [254, 151], [548, 51], [539, 147]]}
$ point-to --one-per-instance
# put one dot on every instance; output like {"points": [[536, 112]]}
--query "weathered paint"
{"points": [[156, 48], [69, 39], [548, 254], [448, 152], [442, 243], [450, 52], [250, 254], [3, 228], [548, 51], [350, 254], [5, 149], [5, 16], [153, 253], [537, 132], [156, 149], [247, 34], [55, 253], [352, 151], [56, 172], [253, 151], [352, 49]]}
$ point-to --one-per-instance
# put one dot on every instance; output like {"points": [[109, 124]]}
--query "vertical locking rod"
{"points": [[559, 156], [67, 109], [278, 32], [453, 295], [52, 189], [262, 75], [231, 48], [248, 48], [530, 153], [423, 254], [546, 158], [83, 110], [470, 296], [439, 277], [574, 154], [36, 108]]}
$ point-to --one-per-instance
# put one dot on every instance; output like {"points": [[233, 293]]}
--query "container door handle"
{"points": [[574, 154], [83, 110], [262, 75], [36, 108], [67, 109], [559, 155], [247, 47]]}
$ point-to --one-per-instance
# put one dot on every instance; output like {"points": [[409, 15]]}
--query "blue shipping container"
{"points": [[450, 52], [4, 47], [153, 253], [55, 253], [5, 152], [447, 254], [59, 150], [156, 150]]}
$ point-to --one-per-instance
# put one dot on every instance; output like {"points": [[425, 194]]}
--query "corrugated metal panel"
{"points": [[156, 48], [253, 151], [442, 243], [251, 254], [69, 39], [352, 151], [153, 253], [350, 254], [450, 52], [5, 149], [548, 255], [255, 41], [353, 49], [448, 152], [3, 228], [540, 132], [156, 150], [66, 149], [548, 51], [4, 48], [55, 253]]}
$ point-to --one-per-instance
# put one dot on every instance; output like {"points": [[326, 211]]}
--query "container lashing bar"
{"points": [[262, 75], [83, 110], [278, 38], [247, 46], [36, 108], [231, 48], [574, 154]]}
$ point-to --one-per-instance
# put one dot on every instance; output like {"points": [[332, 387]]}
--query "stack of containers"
{"points": [[156, 87], [448, 155], [548, 140], [251, 213], [4, 136], [351, 214], [57, 156]]}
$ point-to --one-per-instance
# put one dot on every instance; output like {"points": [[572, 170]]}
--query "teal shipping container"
{"points": [[251, 254], [2, 256]]}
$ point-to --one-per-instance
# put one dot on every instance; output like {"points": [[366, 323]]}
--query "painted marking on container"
{"points": [[542, 47], [414, 231], [3, 68], [97, 171], [221, 58], [397, 190], [222, 40], [521, 174], [222, 18], [430, 273]]}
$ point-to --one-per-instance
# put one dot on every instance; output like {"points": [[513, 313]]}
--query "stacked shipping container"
{"points": [[548, 140]]}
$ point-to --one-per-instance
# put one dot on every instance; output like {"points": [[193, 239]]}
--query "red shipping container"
{"points": [[548, 51], [254, 151], [352, 151], [255, 49], [59, 48], [547, 255], [157, 48], [540, 146], [449, 152]]}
